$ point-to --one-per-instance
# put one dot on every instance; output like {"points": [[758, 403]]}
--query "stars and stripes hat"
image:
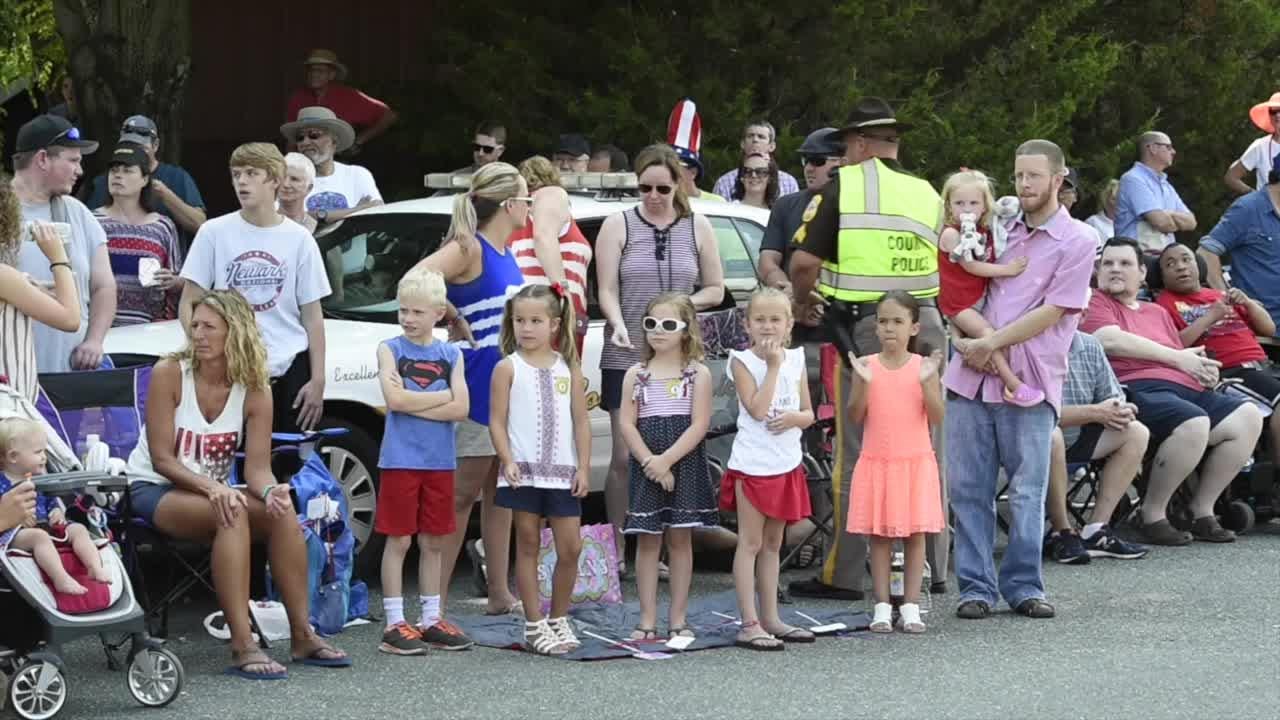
{"points": [[684, 134]]}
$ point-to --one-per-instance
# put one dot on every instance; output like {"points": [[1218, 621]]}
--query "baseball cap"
{"points": [[573, 144], [44, 131], [129, 154], [1072, 180], [139, 129]]}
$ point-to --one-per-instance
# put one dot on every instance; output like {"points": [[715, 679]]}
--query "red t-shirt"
{"points": [[347, 103], [1230, 340], [1149, 321], [959, 290]]}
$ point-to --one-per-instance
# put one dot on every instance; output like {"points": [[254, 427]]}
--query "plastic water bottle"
{"points": [[96, 454], [897, 579], [926, 580]]}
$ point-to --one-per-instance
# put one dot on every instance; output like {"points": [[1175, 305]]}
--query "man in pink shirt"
{"points": [[1035, 314], [369, 116], [1172, 386]]}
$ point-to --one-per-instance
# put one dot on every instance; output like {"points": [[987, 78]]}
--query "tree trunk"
{"points": [[127, 57]]}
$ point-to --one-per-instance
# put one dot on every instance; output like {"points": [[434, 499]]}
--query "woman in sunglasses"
{"points": [[658, 246], [757, 183]]}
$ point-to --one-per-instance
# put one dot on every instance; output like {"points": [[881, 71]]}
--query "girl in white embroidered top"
{"points": [[538, 421], [666, 408]]}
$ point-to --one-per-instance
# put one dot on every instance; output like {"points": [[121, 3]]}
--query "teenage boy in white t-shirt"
{"points": [[275, 264]]}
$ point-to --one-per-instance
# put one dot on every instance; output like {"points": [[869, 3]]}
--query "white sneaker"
{"points": [[909, 618], [882, 619]]}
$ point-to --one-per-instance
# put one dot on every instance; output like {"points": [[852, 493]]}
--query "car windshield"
{"points": [[366, 256]]}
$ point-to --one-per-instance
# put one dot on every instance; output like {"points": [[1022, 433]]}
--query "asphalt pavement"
{"points": [[1185, 633]]}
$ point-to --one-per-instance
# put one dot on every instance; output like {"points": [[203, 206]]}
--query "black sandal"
{"points": [[973, 610], [1208, 529]]}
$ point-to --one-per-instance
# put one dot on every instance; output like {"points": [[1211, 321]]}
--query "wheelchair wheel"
{"points": [[1238, 517], [155, 677], [37, 691]]}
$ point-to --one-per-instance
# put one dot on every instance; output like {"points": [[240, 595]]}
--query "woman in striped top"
{"points": [[550, 247], [142, 243], [658, 246], [21, 301], [480, 275]]}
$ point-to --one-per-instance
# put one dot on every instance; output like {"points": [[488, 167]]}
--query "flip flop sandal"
{"points": [[761, 643], [254, 658], [682, 631], [796, 635], [315, 659], [646, 634]]}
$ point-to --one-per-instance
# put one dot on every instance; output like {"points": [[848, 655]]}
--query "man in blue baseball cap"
{"points": [[46, 166]]}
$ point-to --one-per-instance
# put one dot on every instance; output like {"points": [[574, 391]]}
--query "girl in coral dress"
{"points": [[896, 395]]}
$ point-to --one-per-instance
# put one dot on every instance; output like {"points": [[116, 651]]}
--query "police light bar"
{"points": [[569, 181]]}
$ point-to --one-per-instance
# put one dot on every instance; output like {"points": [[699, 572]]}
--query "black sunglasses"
{"points": [[817, 160], [140, 130], [309, 135], [662, 189], [754, 172], [486, 149]]}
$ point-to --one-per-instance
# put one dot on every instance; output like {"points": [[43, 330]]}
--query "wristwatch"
{"points": [[322, 215]]}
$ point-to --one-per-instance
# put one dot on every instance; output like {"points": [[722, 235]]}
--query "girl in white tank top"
{"points": [[204, 447]]}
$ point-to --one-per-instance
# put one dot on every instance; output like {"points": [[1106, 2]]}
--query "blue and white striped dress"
{"points": [[480, 302]]}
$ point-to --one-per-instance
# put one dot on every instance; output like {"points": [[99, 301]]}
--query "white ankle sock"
{"points": [[1090, 530], [430, 609], [393, 607]]}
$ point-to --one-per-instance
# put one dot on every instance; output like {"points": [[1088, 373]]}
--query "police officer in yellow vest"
{"points": [[872, 229]]}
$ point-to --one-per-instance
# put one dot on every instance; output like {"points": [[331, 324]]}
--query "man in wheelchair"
{"points": [[1171, 386], [1097, 426], [1226, 324]]}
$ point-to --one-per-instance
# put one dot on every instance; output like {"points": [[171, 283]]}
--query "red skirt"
{"points": [[780, 497]]}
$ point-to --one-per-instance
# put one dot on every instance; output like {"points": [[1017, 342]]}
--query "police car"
{"points": [[381, 243]]}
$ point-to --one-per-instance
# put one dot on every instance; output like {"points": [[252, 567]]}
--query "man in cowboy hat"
{"points": [[324, 88], [871, 229], [1260, 157], [340, 189]]}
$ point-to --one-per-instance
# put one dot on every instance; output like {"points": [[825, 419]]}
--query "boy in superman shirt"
{"points": [[1225, 323], [425, 390]]}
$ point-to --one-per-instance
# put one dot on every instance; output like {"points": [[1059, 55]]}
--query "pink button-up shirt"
{"points": [[1060, 257]]}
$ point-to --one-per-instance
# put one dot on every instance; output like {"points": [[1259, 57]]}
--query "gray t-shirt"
{"points": [[54, 347]]}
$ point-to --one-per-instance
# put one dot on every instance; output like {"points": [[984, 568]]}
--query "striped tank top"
{"points": [[575, 255], [663, 397], [654, 260], [18, 352], [480, 302]]}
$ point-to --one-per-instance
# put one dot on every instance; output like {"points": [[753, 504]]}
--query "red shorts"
{"points": [[415, 501], [781, 497]]}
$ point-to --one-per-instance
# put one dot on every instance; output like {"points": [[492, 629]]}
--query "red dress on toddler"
{"points": [[895, 488]]}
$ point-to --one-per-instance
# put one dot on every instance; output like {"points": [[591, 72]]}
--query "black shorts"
{"points": [[285, 389], [1163, 406], [1081, 451], [1260, 381], [611, 388], [543, 502]]}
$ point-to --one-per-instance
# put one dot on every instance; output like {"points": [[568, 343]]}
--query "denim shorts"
{"points": [[1163, 406], [144, 498], [543, 502]]}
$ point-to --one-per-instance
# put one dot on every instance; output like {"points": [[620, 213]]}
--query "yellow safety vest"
{"points": [[888, 237]]}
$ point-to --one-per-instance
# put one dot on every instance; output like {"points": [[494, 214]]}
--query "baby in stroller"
{"points": [[22, 454]]}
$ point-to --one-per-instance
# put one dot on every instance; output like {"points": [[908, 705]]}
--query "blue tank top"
{"points": [[410, 442], [480, 302]]}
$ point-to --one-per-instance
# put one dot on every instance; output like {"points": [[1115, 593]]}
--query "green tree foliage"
{"points": [[30, 48], [974, 77]]}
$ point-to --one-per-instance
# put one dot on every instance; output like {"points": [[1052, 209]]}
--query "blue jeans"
{"points": [[979, 440]]}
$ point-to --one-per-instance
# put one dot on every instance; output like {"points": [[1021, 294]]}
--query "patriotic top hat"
{"points": [[684, 135]]}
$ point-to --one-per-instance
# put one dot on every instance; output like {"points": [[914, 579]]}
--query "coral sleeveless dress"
{"points": [[896, 491]]}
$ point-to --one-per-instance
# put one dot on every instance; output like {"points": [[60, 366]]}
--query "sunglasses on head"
{"points": [[663, 325], [309, 135], [662, 189], [755, 172], [140, 130], [486, 149]]}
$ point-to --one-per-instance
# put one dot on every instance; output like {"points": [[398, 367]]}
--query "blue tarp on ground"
{"points": [[706, 618]]}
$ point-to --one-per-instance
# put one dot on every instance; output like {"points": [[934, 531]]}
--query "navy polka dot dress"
{"points": [[664, 408]]}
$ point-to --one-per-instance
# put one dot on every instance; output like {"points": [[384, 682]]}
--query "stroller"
{"points": [[34, 630]]}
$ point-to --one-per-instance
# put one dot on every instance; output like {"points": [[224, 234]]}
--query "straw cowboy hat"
{"points": [[320, 56], [321, 117], [1260, 114], [867, 113]]}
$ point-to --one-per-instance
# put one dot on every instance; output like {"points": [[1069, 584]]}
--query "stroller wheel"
{"points": [[37, 690], [155, 677], [1238, 516]]}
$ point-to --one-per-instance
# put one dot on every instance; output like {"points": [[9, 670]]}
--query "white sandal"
{"points": [[882, 620], [909, 618], [540, 638], [563, 628]]}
